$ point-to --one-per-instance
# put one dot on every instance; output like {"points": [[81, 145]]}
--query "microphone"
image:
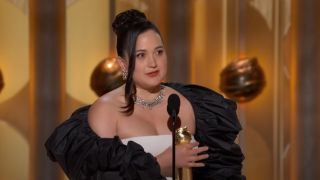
{"points": [[173, 108]]}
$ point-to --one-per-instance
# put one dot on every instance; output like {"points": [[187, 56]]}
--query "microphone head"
{"points": [[173, 104]]}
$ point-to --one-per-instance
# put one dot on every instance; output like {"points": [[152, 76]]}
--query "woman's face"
{"points": [[151, 60]]}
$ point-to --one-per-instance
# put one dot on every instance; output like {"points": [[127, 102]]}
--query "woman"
{"points": [[124, 134]]}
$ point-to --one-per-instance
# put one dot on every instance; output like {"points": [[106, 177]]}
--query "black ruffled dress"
{"points": [[85, 156]]}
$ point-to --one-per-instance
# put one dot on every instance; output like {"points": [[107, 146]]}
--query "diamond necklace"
{"points": [[150, 104]]}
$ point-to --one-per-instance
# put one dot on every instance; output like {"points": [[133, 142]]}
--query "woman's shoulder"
{"points": [[114, 97], [109, 102], [104, 112]]}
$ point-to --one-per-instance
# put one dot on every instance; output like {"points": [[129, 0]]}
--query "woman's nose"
{"points": [[152, 62]]}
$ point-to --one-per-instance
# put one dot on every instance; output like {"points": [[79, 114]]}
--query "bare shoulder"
{"points": [[184, 103], [186, 110], [186, 107], [104, 112]]}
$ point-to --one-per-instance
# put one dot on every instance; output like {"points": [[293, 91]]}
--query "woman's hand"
{"points": [[187, 155]]}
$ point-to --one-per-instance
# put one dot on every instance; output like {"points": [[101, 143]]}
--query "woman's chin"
{"points": [[151, 85]]}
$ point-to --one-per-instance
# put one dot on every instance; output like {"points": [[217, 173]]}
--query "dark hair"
{"points": [[127, 26]]}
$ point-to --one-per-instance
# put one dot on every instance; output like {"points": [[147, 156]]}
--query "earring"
{"points": [[124, 75], [124, 72]]}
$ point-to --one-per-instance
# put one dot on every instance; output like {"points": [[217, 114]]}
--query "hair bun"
{"points": [[127, 19]]}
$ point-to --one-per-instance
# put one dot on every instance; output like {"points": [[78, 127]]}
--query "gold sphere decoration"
{"points": [[106, 76], [242, 80]]}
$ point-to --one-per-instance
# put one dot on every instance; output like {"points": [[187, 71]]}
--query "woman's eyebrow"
{"points": [[161, 46], [141, 50]]}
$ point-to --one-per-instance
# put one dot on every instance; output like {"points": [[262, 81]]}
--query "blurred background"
{"points": [[264, 54]]}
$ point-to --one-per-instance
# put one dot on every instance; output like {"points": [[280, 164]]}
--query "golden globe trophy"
{"points": [[183, 136]]}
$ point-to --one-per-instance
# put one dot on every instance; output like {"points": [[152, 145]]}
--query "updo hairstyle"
{"points": [[127, 26]]}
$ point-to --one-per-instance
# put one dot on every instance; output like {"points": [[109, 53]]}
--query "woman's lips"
{"points": [[153, 74]]}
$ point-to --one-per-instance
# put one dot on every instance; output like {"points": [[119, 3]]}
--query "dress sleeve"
{"points": [[82, 154], [217, 127]]}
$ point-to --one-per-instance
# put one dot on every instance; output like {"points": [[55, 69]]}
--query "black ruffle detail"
{"points": [[217, 126], [83, 155]]}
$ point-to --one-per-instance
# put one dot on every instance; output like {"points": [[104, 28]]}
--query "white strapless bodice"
{"points": [[153, 144]]}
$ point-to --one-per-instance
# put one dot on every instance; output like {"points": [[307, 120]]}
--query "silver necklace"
{"points": [[150, 104]]}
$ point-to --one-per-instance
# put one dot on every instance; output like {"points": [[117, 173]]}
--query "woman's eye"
{"points": [[160, 52], [140, 55]]}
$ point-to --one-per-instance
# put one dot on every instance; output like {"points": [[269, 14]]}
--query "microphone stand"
{"points": [[174, 117]]}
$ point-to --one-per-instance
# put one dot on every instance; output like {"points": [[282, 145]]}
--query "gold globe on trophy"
{"points": [[183, 136]]}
